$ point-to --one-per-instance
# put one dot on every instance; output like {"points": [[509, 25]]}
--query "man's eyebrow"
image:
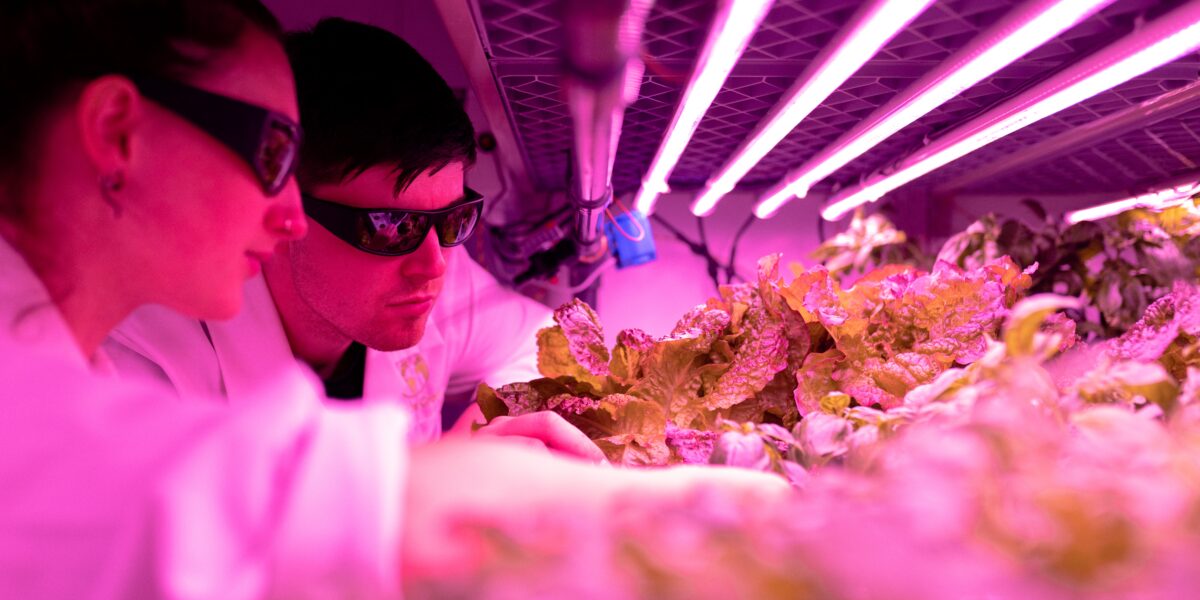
{"points": [[469, 196]]}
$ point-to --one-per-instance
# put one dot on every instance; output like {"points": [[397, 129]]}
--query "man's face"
{"points": [[381, 302]]}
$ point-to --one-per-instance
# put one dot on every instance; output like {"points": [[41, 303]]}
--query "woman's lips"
{"points": [[254, 262]]}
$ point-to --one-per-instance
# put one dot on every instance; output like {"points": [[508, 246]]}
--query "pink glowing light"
{"points": [[728, 36], [1159, 199], [872, 26], [1021, 31], [1155, 44]]}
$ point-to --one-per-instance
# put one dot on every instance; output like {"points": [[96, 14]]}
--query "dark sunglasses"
{"points": [[395, 232], [268, 141]]}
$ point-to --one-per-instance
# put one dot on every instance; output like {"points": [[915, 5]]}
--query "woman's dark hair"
{"points": [[47, 46], [369, 99]]}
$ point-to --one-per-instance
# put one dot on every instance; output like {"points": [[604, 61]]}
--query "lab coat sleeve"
{"points": [[341, 524], [490, 329], [112, 493]]}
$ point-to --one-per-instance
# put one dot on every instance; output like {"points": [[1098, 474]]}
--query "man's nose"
{"points": [[428, 261]]}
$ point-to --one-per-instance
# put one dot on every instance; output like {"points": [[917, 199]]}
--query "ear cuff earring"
{"points": [[110, 184]]}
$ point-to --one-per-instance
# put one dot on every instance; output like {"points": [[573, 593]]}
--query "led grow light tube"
{"points": [[877, 22], [1158, 199], [732, 28], [1155, 44], [1022, 30], [1167, 105]]}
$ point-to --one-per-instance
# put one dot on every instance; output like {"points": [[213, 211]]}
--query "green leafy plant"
{"points": [[728, 359], [869, 242], [1117, 266], [993, 479], [765, 353], [786, 375]]}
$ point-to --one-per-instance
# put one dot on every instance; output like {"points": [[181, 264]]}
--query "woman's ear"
{"points": [[109, 111]]}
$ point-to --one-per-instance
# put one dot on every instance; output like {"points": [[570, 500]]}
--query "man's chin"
{"points": [[393, 346], [394, 338]]}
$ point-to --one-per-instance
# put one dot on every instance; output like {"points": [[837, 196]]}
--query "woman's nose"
{"points": [[285, 216]]}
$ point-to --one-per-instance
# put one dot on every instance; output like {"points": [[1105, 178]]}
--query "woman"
{"points": [[146, 149], [179, 148]]}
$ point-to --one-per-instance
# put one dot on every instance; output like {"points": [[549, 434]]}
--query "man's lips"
{"points": [[413, 300], [414, 306]]}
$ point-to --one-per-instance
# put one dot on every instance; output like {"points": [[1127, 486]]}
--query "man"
{"points": [[379, 303]]}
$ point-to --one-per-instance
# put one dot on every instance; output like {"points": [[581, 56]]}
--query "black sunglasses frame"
{"points": [[343, 221], [243, 127]]}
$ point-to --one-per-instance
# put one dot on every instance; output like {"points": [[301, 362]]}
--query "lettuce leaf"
{"points": [[632, 346], [585, 338], [760, 353], [1169, 317], [630, 430], [899, 327], [555, 361], [700, 327], [1129, 382], [690, 446], [861, 245], [770, 353], [671, 377], [814, 380], [1036, 328]]}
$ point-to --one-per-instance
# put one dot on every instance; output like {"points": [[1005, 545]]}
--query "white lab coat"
{"points": [[478, 331], [108, 491]]}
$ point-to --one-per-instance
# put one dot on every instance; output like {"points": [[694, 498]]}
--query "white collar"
{"points": [[252, 348], [29, 319]]}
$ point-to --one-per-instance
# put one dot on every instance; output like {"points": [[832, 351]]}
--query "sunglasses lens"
{"points": [[392, 232], [277, 156], [458, 224]]}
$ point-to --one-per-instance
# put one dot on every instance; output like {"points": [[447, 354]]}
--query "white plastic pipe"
{"points": [[602, 77]]}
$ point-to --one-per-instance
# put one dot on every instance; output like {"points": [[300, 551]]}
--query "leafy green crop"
{"points": [[1117, 266], [765, 353]]}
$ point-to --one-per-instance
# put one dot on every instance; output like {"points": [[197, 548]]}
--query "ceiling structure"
{"points": [[522, 42]]}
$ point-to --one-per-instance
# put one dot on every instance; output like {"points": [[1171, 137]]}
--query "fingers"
{"points": [[732, 481], [526, 441], [470, 417], [496, 471], [550, 429]]}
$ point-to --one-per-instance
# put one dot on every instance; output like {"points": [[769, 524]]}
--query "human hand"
{"points": [[546, 429], [455, 483]]}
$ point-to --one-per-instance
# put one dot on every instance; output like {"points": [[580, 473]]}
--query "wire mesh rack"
{"points": [[524, 41]]}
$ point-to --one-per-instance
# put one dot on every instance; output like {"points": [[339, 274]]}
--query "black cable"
{"points": [[714, 267], [501, 196], [547, 261], [697, 248], [731, 267], [694, 246]]}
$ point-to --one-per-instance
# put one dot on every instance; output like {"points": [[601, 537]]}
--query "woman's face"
{"points": [[201, 220]]}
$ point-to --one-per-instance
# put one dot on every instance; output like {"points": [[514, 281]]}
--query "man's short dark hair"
{"points": [[367, 99]]}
